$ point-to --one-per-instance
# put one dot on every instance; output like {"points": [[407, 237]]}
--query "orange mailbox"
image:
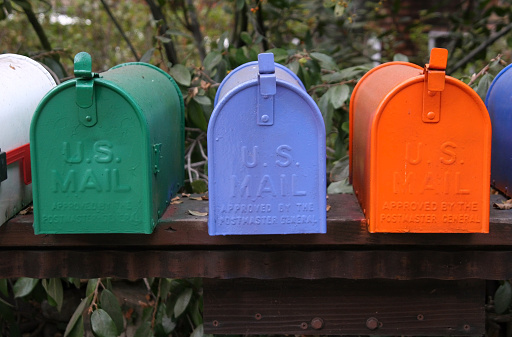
{"points": [[420, 147]]}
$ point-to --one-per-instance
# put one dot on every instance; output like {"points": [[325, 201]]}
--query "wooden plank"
{"points": [[179, 230], [132, 264], [344, 307]]}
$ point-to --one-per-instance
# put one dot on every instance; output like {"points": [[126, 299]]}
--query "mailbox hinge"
{"points": [[156, 153], [267, 89], [85, 98], [433, 85]]}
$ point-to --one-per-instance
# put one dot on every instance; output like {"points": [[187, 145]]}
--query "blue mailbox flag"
{"points": [[499, 104], [266, 148]]}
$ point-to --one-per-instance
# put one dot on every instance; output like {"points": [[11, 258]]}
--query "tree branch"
{"points": [[120, 29], [481, 47], [156, 11], [45, 43]]}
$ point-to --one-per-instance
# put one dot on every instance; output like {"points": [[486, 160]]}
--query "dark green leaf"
{"points": [[503, 297], [294, 67], [212, 60], [54, 290], [338, 95], [147, 55], [110, 304], [24, 286], [203, 100], [102, 324], [165, 288], [246, 37], [181, 74], [78, 328], [182, 302], [91, 286], [280, 54], [326, 61], [196, 116], [75, 318], [327, 110], [240, 4], [3, 287], [483, 85], [144, 330]]}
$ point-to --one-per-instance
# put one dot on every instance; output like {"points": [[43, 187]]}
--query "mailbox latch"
{"points": [[267, 88], [434, 85], [85, 98]]}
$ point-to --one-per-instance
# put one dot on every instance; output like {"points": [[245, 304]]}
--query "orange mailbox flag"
{"points": [[420, 146]]}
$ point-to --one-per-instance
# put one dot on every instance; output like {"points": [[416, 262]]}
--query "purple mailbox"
{"points": [[266, 148]]}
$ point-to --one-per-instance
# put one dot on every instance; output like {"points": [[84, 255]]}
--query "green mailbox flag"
{"points": [[107, 150]]}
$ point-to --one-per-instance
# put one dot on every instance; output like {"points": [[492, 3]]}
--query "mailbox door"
{"points": [[499, 103], [90, 179], [266, 179], [24, 82], [430, 176]]}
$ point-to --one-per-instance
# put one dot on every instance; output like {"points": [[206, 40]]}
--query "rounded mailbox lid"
{"points": [[266, 148], [499, 105], [250, 71]]}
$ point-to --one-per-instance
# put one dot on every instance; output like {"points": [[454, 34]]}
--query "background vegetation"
{"points": [[329, 44]]}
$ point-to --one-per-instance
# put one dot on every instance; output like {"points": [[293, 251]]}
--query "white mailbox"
{"points": [[23, 84]]}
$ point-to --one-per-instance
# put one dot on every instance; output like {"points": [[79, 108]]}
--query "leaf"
{"points": [[91, 286], [147, 55], [502, 206], [212, 60], [198, 331], [294, 67], [181, 74], [246, 37], [240, 4], [78, 328], [326, 61], [339, 9], [3, 287], [102, 324], [24, 286], [75, 318], [340, 187], [280, 54], [144, 330], [54, 290], [483, 85], [196, 116], [110, 304], [502, 297], [199, 186], [164, 39], [338, 95], [400, 57], [196, 213], [203, 100], [184, 298], [327, 111]]}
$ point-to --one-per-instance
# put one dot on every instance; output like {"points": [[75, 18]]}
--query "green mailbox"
{"points": [[107, 150]]}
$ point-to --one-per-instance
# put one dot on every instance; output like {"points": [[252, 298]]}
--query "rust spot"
{"points": [[215, 323], [13, 68]]}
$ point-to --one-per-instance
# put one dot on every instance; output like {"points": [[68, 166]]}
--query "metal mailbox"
{"points": [[24, 82], [266, 149], [107, 150], [420, 146], [499, 105]]}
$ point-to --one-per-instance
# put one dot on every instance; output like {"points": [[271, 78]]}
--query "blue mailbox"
{"points": [[499, 105], [266, 148]]}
